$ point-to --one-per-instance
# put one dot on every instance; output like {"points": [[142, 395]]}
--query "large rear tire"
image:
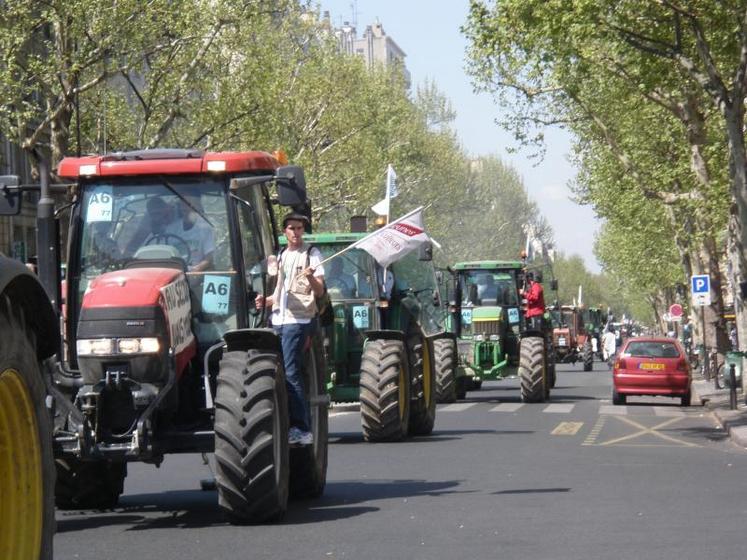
{"points": [[444, 361], [423, 390], [384, 391], [308, 463], [588, 355], [251, 437], [26, 461], [533, 370]]}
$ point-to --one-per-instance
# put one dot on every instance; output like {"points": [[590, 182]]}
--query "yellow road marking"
{"points": [[594, 433], [644, 430], [567, 429]]}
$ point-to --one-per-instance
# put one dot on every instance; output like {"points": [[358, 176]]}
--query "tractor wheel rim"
{"points": [[402, 393], [21, 482], [427, 374]]}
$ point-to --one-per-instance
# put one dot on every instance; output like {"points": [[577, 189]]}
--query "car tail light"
{"points": [[621, 364], [682, 365]]}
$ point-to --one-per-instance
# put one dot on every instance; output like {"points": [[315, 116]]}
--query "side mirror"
{"points": [[554, 285], [426, 251], [10, 196], [291, 185]]}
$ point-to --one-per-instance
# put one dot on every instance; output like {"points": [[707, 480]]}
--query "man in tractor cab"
{"points": [[293, 304], [534, 295], [196, 232]]}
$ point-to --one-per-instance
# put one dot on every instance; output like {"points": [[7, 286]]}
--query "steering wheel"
{"points": [[171, 239]]}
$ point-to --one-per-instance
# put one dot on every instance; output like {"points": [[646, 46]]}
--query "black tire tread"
{"points": [[379, 391], [532, 365], [444, 362], [250, 402]]}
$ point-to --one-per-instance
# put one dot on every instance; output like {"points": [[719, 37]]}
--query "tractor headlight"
{"points": [[495, 337], [479, 337], [138, 345], [114, 346], [95, 346]]}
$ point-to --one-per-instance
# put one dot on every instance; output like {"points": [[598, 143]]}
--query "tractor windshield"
{"points": [[348, 276], [126, 221], [488, 287]]}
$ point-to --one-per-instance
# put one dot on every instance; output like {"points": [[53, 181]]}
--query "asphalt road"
{"points": [[573, 478]]}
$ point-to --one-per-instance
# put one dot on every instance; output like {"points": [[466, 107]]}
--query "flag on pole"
{"points": [[391, 182], [395, 240], [382, 207]]}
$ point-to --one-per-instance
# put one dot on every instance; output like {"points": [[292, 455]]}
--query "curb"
{"points": [[734, 422]]}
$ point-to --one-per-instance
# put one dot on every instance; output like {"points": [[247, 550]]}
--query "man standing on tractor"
{"points": [[293, 304], [534, 295]]}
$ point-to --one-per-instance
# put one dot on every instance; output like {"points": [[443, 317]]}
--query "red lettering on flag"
{"points": [[407, 229]]}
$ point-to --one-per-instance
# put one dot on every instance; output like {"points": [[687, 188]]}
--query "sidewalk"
{"points": [[734, 422]]}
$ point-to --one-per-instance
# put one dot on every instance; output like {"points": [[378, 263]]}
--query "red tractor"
{"points": [[165, 351], [570, 339]]}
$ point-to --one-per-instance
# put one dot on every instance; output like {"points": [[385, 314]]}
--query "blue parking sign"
{"points": [[701, 284]]}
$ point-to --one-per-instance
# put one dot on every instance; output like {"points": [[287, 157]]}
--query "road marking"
{"points": [[507, 407], [668, 411], [559, 408], [613, 409], [645, 430], [567, 429], [594, 433], [457, 407]]}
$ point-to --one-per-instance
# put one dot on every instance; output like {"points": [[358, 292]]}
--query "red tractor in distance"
{"points": [[572, 342], [165, 351]]}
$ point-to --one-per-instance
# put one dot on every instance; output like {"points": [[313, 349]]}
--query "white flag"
{"points": [[391, 182], [381, 207], [395, 240]]}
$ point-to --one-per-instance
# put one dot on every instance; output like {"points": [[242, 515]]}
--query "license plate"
{"points": [[650, 366], [561, 341]]}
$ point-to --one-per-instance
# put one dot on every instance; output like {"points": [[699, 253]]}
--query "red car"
{"points": [[651, 366]]}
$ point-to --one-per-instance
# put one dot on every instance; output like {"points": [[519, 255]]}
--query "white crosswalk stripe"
{"points": [[668, 411], [559, 408], [613, 409], [507, 407], [456, 407]]}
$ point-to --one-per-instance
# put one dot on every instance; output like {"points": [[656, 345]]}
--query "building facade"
{"points": [[375, 47]]}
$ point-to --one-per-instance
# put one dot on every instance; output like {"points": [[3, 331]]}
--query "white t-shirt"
{"points": [[199, 238], [293, 262]]}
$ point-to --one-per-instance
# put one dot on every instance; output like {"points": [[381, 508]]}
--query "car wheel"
{"points": [[686, 399], [617, 398]]}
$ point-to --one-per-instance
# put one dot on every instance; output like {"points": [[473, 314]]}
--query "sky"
{"points": [[428, 32]]}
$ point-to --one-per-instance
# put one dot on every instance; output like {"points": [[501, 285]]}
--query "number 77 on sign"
{"points": [[700, 286]]}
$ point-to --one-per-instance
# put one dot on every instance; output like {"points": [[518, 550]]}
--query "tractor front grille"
{"points": [[486, 327]]}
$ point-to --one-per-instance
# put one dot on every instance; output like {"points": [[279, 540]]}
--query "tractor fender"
{"points": [[23, 288], [445, 334], [252, 339], [385, 335]]}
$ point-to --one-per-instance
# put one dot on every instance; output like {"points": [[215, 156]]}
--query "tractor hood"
{"points": [[134, 287], [132, 302]]}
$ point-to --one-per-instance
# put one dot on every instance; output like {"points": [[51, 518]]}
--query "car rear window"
{"points": [[653, 349]]}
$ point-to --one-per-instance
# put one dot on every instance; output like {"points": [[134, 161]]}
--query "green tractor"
{"points": [[494, 339], [595, 318], [388, 347]]}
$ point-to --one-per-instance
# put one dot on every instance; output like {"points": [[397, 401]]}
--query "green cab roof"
{"points": [[489, 265], [327, 238]]}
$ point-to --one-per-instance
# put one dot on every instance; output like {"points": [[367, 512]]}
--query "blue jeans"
{"points": [[292, 338]]}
